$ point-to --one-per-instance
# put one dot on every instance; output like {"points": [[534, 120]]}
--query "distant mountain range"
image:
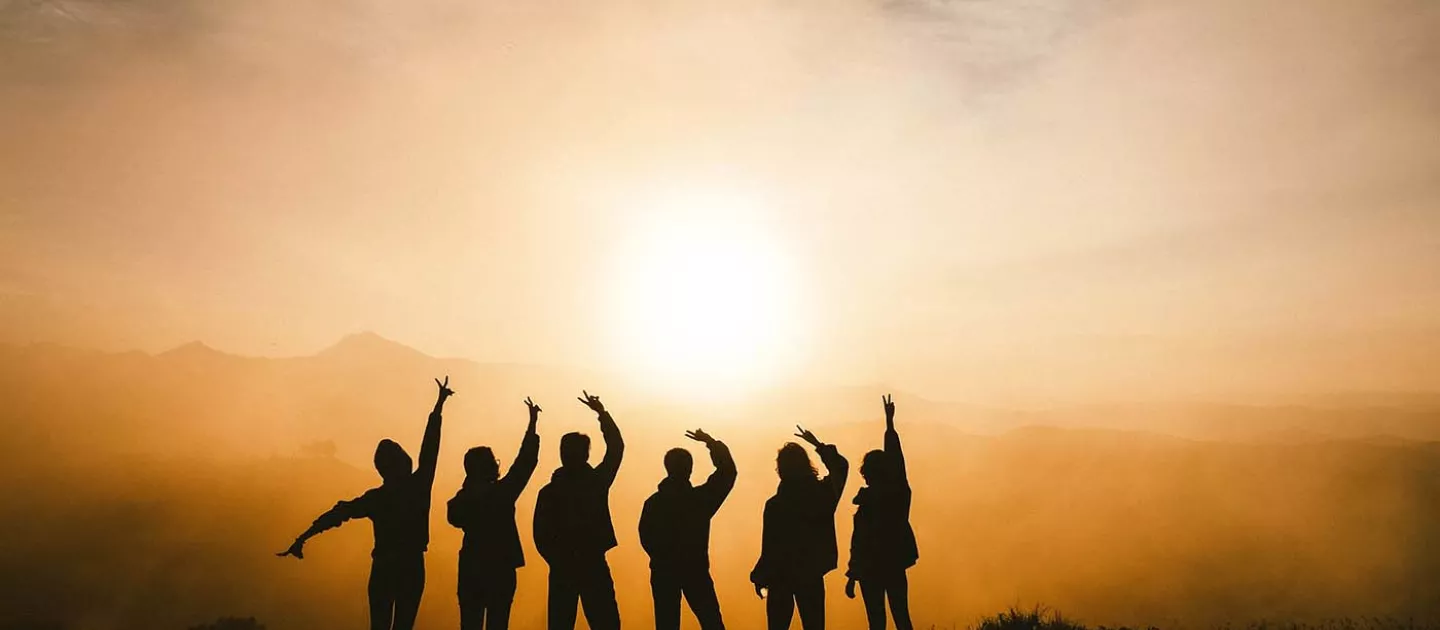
{"points": [[366, 386], [185, 470]]}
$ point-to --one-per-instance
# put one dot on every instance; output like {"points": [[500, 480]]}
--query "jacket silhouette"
{"points": [[484, 509], [798, 545], [675, 532], [400, 512], [573, 529], [882, 545]]}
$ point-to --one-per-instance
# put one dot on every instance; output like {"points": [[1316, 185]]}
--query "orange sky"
{"points": [[991, 200]]}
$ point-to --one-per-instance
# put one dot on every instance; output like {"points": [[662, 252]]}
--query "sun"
{"points": [[707, 299]]}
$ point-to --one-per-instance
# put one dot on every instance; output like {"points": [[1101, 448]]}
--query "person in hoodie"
{"points": [[797, 544], [484, 509], [400, 511], [882, 546], [573, 529], [675, 532]]}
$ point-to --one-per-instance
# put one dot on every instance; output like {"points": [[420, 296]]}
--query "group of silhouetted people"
{"points": [[573, 530]]}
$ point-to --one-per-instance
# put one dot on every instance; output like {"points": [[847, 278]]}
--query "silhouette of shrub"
{"points": [[1037, 618], [231, 623]]}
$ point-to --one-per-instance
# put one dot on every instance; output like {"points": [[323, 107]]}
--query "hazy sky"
{"points": [[971, 199]]}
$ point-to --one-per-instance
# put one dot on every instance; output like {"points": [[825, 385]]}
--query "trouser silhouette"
{"points": [[805, 593], [486, 594], [875, 590], [587, 580], [699, 591], [396, 583]]}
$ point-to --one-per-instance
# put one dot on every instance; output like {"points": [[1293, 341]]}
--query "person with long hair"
{"points": [[797, 545]]}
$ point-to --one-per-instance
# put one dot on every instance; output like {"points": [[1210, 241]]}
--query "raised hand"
{"points": [[850, 588], [889, 407], [593, 402], [534, 409], [699, 435], [296, 549], [445, 391], [809, 437]]}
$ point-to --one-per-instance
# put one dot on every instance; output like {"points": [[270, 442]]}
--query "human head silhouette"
{"points": [[877, 468], [679, 463], [481, 465], [793, 463], [391, 461], [574, 449]]}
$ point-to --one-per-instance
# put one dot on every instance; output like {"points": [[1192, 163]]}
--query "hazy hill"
{"points": [[150, 491]]}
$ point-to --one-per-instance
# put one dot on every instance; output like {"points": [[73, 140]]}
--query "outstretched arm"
{"points": [[718, 486], [892, 442], [614, 444], [430, 445], [524, 465], [334, 517]]}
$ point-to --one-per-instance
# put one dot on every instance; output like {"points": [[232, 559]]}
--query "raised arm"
{"points": [[430, 445], [718, 486], [614, 444], [524, 465], [892, 442], [836, 466], [332, 518]]}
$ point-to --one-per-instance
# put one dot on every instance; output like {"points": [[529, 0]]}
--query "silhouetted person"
{"points": [[485, 509], [797, 545], [400, 511], [675, 532], [573, 528], [883, 546]]}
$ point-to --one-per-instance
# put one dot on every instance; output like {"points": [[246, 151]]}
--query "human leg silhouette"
{"points": [[810, 600], [469, 590], [779, 608], [382, 596], [472, 612], [499, 595], [899, 593], [700, 594], [872, 591], [563, 598], [485, 598], [396, 584], [409, 586], [665, 591], [597, 596]]}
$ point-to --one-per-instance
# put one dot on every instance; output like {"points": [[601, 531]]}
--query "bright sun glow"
{"points": [[708, 300]]}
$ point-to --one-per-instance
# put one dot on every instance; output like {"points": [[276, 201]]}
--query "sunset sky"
{"points": [[987, 200]]}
